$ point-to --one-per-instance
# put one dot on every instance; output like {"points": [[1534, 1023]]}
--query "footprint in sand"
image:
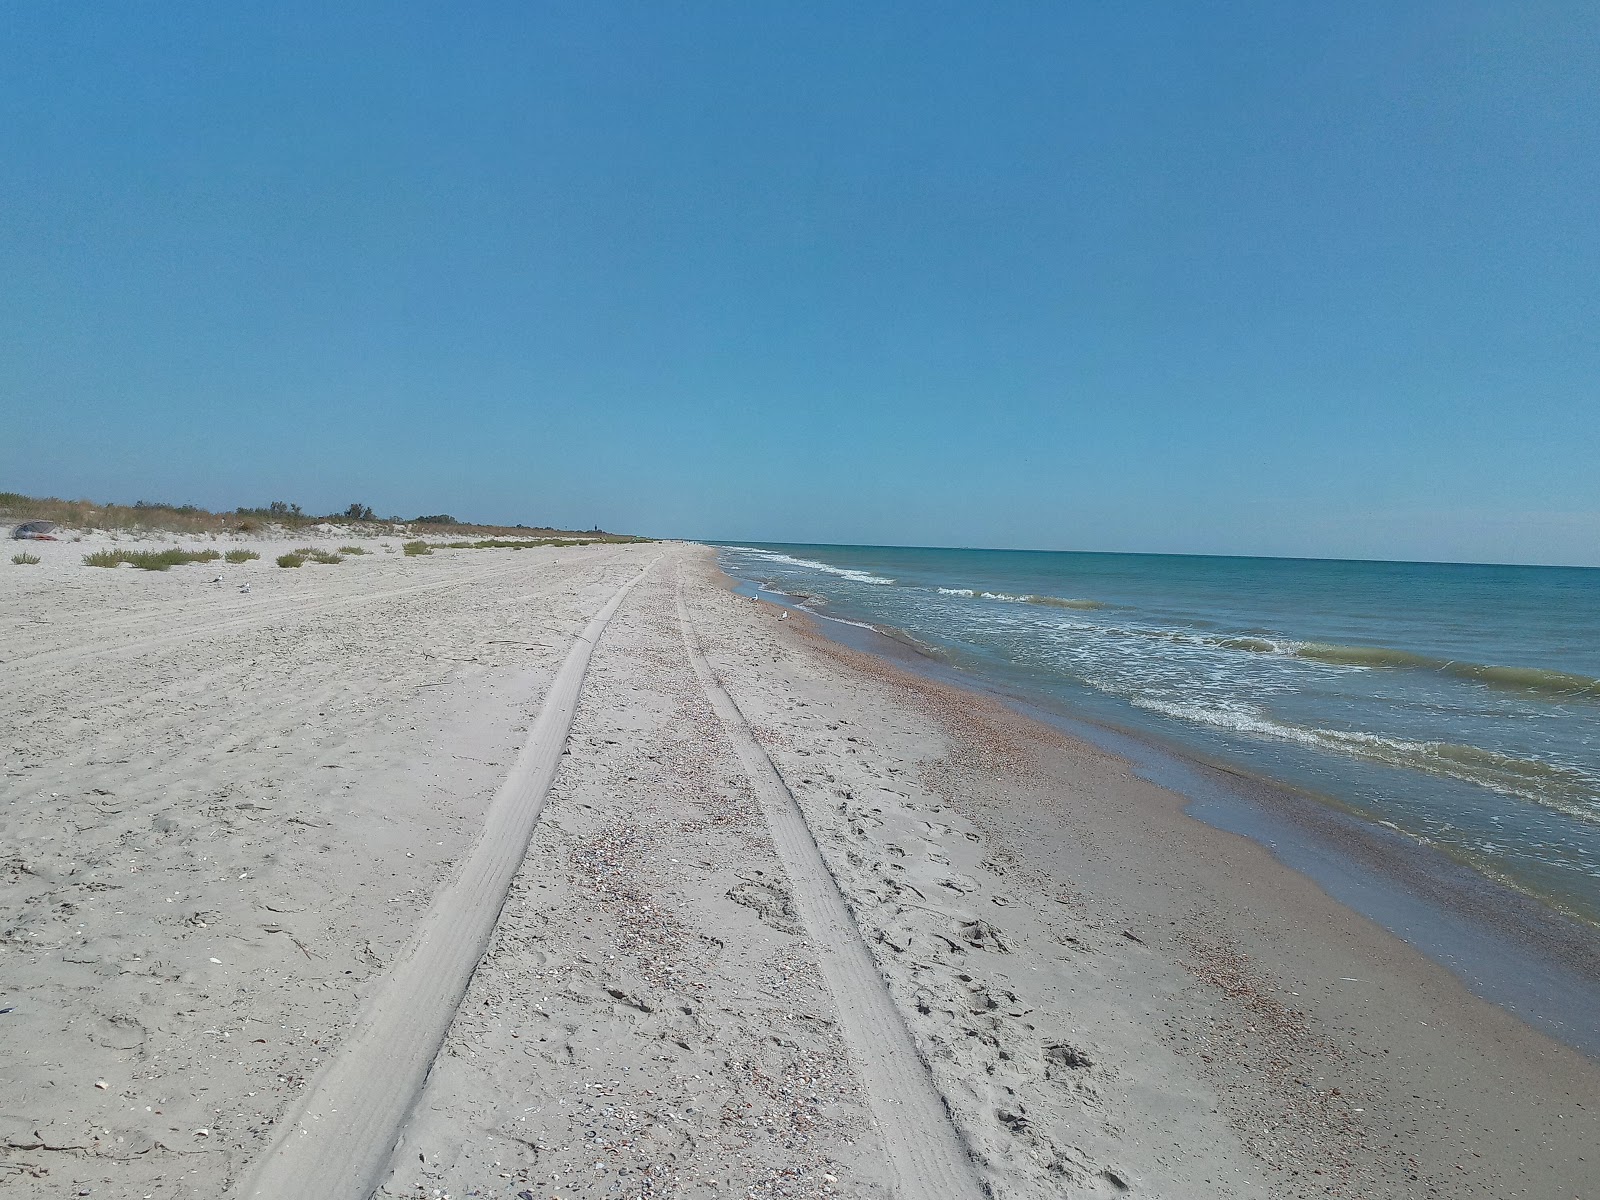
{"points": [[1109, 1182], [982, 935], [770, 902], [1065, 1062]]}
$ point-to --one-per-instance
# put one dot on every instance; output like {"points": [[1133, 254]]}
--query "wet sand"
{"points": [[1506, 946]]}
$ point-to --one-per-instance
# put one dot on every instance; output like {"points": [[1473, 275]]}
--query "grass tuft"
{"points": [[239, 556], [351, 550], [531, 543], [150, 560], [324, 556], [291, 560], [24, 559], [415, 548]]}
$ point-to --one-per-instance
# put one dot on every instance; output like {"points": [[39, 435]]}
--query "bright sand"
{"points": [[790, 922]]}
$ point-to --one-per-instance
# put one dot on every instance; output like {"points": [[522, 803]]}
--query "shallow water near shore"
{"points": [[1504, 945], [1457, 705]]}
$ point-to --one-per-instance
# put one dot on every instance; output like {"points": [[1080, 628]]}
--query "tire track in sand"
{"points": [[926, 1156], [336, 1142]]}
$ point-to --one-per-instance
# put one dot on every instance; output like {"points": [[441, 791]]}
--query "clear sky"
{"points": [[1278, 278]]}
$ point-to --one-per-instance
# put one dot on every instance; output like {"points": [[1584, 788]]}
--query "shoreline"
{"points": [[1455, 710], [1319, 990], [1478, 926], [230, 825]]}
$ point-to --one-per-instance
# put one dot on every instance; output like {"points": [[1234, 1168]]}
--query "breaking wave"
{"points": [[1049, 601], [813, 565], [1527, 681], [1552, 785], [1560, 685]]}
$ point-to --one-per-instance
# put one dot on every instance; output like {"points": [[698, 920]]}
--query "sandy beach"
{"points": [[568, 872]]}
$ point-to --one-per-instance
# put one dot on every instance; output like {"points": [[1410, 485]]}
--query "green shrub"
{"points": [[291, 560], [415, 548], [351, 550], [161, 560], [24, 559], [149, 560], [324, 556], [508, 543], [239, 556], [152, 560]]}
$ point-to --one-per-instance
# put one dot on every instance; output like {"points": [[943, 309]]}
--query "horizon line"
{"points": [[1424, 562]]}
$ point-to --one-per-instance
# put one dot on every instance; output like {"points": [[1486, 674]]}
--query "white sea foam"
{"points": [[974, 593], [1050, 601], [843, 621], [812, 564], [1552, 785]]}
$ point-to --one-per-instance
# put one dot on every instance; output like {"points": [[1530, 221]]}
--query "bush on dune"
{"points": [[149, 560]]}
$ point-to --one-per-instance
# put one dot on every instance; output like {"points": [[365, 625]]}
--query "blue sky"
{"points": [[1248, 278]]}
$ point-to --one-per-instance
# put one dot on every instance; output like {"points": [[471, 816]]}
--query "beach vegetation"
{"points": [[291, 560], [86, 514], [159, 517], [525, 543], [161, 560], [239, 556], [351, 550], [24, 559], [149, 560], [316, 554], [415, 548]]}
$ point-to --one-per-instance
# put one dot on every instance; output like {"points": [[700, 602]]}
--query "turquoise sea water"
{"points": [[1458, 704]]}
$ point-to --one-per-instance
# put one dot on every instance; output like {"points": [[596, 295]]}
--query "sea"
{"points": [[1455, 705]]}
